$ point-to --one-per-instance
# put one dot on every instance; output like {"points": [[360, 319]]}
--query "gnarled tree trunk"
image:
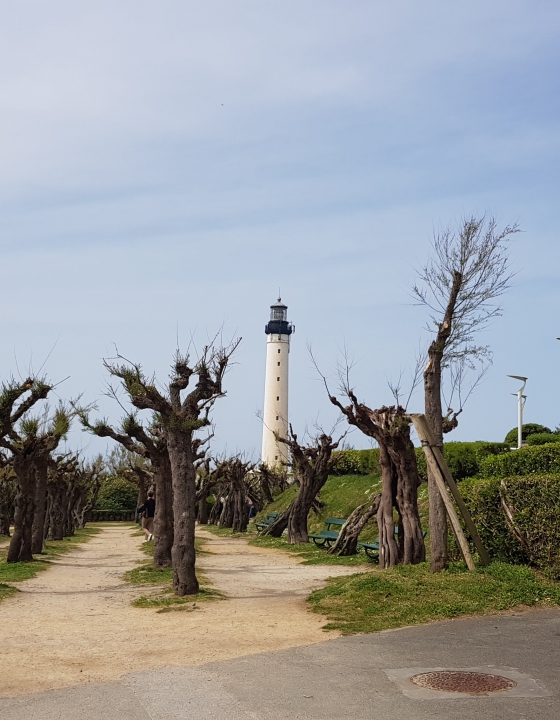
{"points": [[20, 544], [184, 501]]}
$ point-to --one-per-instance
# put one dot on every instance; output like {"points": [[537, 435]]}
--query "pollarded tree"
{"points": [[311, 466], [149, 443], [460, 286], [181, 417], [90, 475], [231, 475], [390, 427], [272, 480], [31, 443]]}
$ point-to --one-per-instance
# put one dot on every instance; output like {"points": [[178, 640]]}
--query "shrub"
{"points": [[463, 458], [542, 438], [535, 460], [357, 462], [117, 495], [526, 430], [535, 502]]}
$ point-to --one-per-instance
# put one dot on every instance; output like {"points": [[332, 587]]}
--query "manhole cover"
{"points": [[464, 682]]}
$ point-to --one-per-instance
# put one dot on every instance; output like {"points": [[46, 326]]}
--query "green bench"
{"points": [[372, 549], [325, 538], [270, 518]]}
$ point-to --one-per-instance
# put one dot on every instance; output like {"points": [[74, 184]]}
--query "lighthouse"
{"points": [[275, 415]]}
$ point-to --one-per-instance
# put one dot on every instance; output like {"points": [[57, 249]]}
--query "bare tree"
{"points": [[31, 443], [459, 285], [311, 465], [390, 427], [181, 417]]}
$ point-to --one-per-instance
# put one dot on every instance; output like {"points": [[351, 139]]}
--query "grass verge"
{"points": [[309, 553], [410, 595]]}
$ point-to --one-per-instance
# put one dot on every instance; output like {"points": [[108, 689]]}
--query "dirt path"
{"points": [[74, 623]]}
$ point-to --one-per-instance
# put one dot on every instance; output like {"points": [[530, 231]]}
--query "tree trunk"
{"points": [[163, 518], [39, 518], [279, 525], [388, 548], [434, 415], [309, 488], [202, 516], [347, 542], [412, 549], [184, 504], [20, 544]]}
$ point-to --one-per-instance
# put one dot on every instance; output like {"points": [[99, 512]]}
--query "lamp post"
{"points": [[521, 400]]}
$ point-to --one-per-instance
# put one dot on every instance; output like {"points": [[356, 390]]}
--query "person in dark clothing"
{"points": [[148, 510]]}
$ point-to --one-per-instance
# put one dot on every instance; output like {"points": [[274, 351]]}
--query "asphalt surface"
{"points": [[339, 679]]}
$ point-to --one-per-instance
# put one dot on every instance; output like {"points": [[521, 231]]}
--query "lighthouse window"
{"points": [[277, 417], [276, 458], [278, 363], [278, 379], [279, 351], [278, 397]]}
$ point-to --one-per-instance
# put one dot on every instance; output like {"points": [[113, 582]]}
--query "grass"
{"points": [[341, 496], [16, 572], [6, 591], [162, 579], [410, 595]]}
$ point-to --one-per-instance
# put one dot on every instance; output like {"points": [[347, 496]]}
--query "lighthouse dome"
{"points": [[278, 324]]}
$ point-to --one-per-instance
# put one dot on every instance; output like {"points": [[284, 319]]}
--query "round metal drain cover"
{"points": [[474, 683]]}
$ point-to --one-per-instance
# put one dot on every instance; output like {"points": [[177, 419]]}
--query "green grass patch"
{"points": [[410, 595], [6, 591], [341, 495], [309, 553]]}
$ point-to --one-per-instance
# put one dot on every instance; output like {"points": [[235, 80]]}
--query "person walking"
{"points": [[148, 510]]}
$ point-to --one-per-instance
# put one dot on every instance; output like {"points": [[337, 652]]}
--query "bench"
{"points": [[270, 518], [325, 538], [372, 549]]}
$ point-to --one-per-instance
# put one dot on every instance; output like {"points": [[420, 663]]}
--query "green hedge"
{"points": [[536, 512], [357, 462], [542, 438], [117, 495], [527, 430], [531, 460], [463, 458]]}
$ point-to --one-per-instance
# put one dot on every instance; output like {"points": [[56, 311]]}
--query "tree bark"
{"points": [[279, 525], [434, 415], [20, 544], [40, 515], [388, 548], [184, 501], [163, 518], [347, 541]]}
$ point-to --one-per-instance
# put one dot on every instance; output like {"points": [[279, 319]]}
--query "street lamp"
{"points": [[521, 400]]}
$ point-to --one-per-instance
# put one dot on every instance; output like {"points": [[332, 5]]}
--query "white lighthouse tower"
{"points": [[275, 416]]}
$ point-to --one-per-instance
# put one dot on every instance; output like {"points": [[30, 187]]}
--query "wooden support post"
{"points": [[442, 475]]}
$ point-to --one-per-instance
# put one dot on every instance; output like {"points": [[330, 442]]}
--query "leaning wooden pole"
{"points": [[444, 479]]}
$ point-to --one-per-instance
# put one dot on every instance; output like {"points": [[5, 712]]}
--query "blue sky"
{"points": [[164, 168]]}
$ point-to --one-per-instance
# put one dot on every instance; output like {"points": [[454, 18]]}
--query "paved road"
{"points": [[341, 679]]}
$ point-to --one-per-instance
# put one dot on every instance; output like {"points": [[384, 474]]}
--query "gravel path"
{"points": [[74, 623]]}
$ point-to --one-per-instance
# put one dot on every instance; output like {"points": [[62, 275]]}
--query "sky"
{"points": [[166, 167]]}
